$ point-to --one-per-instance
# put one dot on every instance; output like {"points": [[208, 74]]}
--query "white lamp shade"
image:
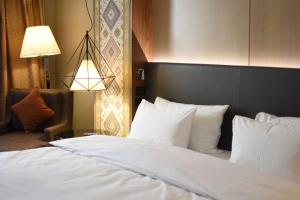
{"points": [[39, 41], [87, 77]]}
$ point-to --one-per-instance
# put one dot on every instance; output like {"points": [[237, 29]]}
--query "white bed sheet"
{"points": [[55, 174], [100, 167], [222, 154]]}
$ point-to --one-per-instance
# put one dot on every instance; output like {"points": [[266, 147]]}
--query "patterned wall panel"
{"points": [[112, 107]]}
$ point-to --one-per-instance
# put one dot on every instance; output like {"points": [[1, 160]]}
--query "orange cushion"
{"points": [[32, 110]]}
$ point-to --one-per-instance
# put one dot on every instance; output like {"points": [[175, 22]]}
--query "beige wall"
{"points": [[217, 32], [201, 31], [69, 20]]}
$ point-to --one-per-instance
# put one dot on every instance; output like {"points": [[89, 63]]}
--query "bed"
{"points": [[104, 167], [107, 167]]}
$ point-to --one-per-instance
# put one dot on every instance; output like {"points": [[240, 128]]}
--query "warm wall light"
{"points": [[39, 41]]}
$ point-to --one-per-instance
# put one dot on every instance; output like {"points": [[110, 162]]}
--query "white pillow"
{"points": [[166, 125], [206, 126], [265, 117], [268, 147]]}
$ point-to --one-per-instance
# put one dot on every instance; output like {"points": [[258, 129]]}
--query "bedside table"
{"points": [[77, 133]]}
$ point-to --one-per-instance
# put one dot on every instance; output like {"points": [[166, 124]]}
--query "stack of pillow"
{"points": [[269, 143], [197, 127]]}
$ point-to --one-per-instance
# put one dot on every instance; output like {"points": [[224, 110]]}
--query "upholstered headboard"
{"points": [[247, 90]]}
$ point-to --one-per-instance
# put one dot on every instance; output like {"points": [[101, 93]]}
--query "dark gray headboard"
{"points": [[247, 90]]}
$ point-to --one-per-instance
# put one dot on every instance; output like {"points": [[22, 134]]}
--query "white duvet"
{"points": [[102, 167]]}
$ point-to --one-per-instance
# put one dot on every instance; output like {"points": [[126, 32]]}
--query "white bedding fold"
{"points": [[195, 172], [55, 174]]}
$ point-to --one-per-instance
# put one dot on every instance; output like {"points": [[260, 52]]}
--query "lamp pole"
{"points": [[47, 71]]}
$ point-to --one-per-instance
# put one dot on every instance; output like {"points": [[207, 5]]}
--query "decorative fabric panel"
{"points": [[112, 106]]}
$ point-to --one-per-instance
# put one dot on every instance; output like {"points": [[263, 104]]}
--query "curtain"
{"points": [[16, 72]]}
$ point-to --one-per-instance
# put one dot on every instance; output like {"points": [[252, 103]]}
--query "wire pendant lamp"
{"points": [[89, 74]]}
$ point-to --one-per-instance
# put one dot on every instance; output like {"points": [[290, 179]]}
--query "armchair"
{"points": [[12, 134]]}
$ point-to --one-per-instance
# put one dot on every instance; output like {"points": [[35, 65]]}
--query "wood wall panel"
{"points": [[275, 33], [142, 25], [201, 31], [138, 62], [141, 47]]}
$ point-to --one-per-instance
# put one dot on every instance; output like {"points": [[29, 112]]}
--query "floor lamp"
{"points": [[39, 42]]}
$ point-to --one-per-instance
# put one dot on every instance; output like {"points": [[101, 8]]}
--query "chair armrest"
{"points": [[5, 127], [51, 131]]}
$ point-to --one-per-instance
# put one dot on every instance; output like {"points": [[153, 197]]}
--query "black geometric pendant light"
{"points": [[89, 74]]}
